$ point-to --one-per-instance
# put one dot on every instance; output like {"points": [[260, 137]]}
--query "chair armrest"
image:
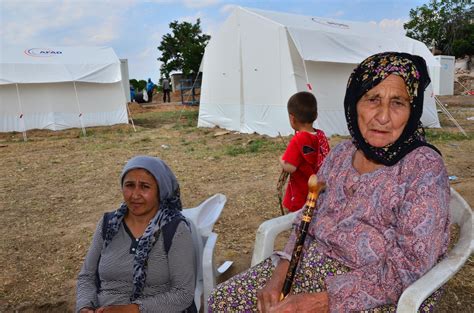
{"points": [[415, 294], [208, 272], [266, 234]]}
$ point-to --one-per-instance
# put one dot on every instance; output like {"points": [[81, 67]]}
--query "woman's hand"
{"points": [[128, 308], [87, 310], [303, 303], [270, 294]]}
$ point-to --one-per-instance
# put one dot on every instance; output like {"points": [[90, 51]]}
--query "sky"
{"points": [[134, 28]]}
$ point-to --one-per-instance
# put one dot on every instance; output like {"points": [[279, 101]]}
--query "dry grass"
{"points": [[57, 185]]}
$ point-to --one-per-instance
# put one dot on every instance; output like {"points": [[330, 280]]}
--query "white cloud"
{"points": [[145, 53], [25, 21], [104, 32], [57, 22], [191, 18], [393, 25], [194, 4], [226, 9], [337, 14]]}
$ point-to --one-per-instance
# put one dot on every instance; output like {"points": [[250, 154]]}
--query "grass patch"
{"points": [[179, 119], [234, 150], [440, 135], [254, 146]]}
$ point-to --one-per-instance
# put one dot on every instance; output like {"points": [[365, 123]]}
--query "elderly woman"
{"points": [[141, 258], [382, 221]]}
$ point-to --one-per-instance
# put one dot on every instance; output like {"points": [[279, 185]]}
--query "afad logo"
{"points": [[330, 23], [41, 52]]}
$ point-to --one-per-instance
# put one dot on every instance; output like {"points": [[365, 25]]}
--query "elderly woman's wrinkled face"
{"points": [[140, 193], [383, 112]]}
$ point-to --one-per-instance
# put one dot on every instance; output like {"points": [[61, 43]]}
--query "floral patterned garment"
{"points": [[239, 293], [388, 227]]}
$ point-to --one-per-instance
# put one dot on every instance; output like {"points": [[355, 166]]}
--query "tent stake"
{"points": [[22, 121], [80, 113]]}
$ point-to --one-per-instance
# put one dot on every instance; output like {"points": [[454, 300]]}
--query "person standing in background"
{"points": [[166, 89], [149, 89]]}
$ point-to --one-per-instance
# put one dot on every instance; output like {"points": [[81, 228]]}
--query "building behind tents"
{"points": [[260, 58]]}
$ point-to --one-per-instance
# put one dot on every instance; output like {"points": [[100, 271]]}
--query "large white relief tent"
{"points": [[61, 87], [260, 58]]}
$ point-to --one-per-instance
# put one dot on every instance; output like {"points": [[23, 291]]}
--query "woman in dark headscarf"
{"points": [[382, 221], [142, 257]]}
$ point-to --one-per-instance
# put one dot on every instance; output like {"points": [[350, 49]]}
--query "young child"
{"points": [[305, 152]]}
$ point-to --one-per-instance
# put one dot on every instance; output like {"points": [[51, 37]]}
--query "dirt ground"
{"points": [[56, 186]]}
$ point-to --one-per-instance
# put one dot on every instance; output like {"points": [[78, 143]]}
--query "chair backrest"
{"points": [[206, 214], [199, 246], [202, 219]]}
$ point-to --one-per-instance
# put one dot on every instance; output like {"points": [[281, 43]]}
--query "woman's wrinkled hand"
{"points": [[129, 308], [270, 294], [303, 303]]}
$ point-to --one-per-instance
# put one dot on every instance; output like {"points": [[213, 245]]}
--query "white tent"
{"points": [[260, 58], [61, 87]]}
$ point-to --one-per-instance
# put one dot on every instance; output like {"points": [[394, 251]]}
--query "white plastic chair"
{"points": [[415, 294], [202, 219]]}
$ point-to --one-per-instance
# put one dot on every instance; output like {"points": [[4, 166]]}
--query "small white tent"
{"points": [[58, 88], [260, 58]]}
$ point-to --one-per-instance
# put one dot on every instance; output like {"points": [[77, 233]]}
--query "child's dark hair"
{"points": [[303, 106]]}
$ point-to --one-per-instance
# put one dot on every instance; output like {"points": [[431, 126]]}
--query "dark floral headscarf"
{"points": [[368, 74]]}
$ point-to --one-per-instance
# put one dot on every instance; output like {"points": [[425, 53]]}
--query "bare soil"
{"points": [[56, 186]]}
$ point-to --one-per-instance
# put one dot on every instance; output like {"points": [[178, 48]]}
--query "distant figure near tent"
{"points": [[166, 89], [149, 89], [132, 94]]}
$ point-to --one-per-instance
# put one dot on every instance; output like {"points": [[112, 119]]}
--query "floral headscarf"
{"points": [[170, 207], [368, 74]]}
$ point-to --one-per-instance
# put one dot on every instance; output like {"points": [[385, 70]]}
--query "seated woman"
{"points": [[382, 221], [142, 256]]}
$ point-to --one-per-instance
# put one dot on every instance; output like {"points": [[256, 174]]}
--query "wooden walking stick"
{"points": [[281, 182], [315, 189], [280, 185]]}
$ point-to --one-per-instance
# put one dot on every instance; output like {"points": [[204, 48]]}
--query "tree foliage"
{"points": [[138, 85], [445, 25], [182, 50]]}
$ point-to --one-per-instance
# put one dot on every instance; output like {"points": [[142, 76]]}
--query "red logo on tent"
{"points": [[42, 52]]}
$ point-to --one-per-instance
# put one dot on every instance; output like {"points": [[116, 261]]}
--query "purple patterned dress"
{"points": [[373, 235]]}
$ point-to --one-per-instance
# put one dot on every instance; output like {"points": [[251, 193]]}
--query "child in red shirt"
{"points": [[305, 152]]}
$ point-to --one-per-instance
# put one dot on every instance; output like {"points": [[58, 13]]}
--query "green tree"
{"points": [[445, 25], [182, 50], [141, 84], [134, 83]]}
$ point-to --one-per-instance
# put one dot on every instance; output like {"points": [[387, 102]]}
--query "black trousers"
{"points": [[166, 93], [150, 95]]}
